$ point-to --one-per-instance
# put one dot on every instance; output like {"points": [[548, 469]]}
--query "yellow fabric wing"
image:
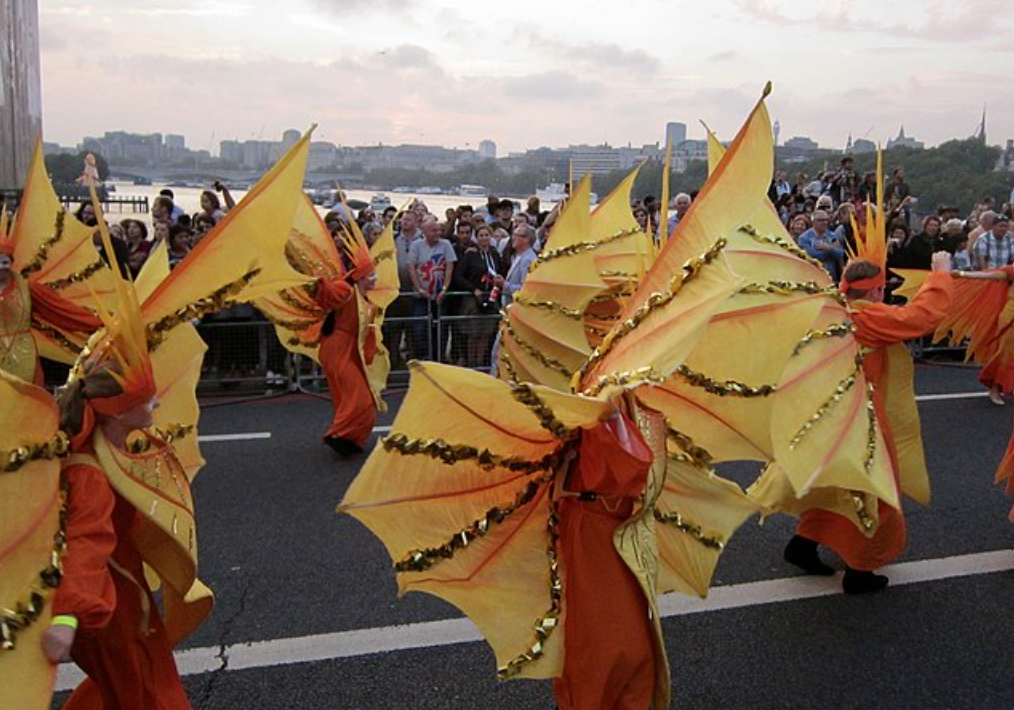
{"points": [[243, 256], [29, 520], [423, 488]]}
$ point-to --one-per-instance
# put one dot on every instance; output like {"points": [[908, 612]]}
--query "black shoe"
{"points": [[342, 447], [859, 582], [802, 552]]}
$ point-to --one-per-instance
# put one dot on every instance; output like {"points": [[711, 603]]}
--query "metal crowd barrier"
{"points": [[245, 357]]}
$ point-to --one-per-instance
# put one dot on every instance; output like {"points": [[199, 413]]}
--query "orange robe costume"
{"points": [[610, 658], [121, 642], [355, 411], [879, 326], [997, 371]]}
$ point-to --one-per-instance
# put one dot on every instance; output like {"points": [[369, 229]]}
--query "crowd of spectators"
{"points": [[457, 270], [820, 214]]}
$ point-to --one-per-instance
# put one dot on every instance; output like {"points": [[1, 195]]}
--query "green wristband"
{"points": [[64, 620]]}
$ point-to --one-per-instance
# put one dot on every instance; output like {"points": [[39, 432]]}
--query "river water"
{"points": [[189, 198]]}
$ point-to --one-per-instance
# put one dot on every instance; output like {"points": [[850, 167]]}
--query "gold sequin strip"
{"points": [[726, 388], [56, 336], [508, 366], [302, 263], [677, 521], [451, 454], [572, 313], [654, 302], [421, 560], [624, 379], [524, 394], [171, 433], [290, 300], [216, 301], [296, 324], [616, 274], [581, 247], [871, 430], [781, 243], [861, 512], [534, 352], [697, 455], [83, 275], [839, 393], [788, 288], [40, 256], [545, 625], [27, 611], [383, 256], [837, 330], [11, 461]]}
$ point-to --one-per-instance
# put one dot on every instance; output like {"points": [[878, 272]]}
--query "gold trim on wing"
{"points": [[654, 302]]}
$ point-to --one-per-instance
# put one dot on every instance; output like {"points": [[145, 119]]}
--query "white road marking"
{"points": [[381, 429], [953, 395], [389, 639], [207, 438]]}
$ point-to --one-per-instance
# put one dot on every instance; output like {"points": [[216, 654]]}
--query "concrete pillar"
{"points": [[20, 89]]}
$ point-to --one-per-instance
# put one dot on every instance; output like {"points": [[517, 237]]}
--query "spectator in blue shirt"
{"points": [[824, 245]]}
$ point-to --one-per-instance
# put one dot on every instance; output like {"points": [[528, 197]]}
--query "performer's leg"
{"points": [[802, 552]]}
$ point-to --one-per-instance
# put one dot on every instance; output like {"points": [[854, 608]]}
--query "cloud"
{"points": [[595, 56], [551, 86], [344, 7], [938, 21], [723, 56]]}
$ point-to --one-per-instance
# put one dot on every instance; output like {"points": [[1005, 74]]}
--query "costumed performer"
{"points": [[882, 331], [336, 320], [984, 310], [129, 513], [341, 358], [575, 500]]}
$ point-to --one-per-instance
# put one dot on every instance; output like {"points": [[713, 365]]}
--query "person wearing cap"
{"points": [[882, 331], [995, 247]]}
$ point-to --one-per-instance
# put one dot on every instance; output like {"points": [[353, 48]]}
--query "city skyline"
{"points": [[437, 72]]}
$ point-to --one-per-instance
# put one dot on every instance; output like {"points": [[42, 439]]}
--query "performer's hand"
{"points": [[56, 642], [941, 261]]}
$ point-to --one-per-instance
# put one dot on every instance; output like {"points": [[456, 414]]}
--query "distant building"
{"points": [[802, 143], [776, 131], [688, 152], [862, 145], [1006, 160], [290, 138], [487, 150], [675, 133], [175, 146], [128, 148], [903, 141], [323, 155]]}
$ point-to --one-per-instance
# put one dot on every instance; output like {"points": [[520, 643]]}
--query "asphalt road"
{"points": [[284, 565]]}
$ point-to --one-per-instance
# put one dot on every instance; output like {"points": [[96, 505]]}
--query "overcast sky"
{"points": [[523, 73]]}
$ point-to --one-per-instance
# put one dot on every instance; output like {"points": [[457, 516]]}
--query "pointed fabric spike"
{"points": [[311, 250], [538, 334], [663, 213], [716, 151], [699, 512], [670, 331], [53, 245], [249, 243]]}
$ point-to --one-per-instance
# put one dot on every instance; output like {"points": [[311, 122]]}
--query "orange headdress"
{"points": [[355, 248], [121, 346], [871, 241]]}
